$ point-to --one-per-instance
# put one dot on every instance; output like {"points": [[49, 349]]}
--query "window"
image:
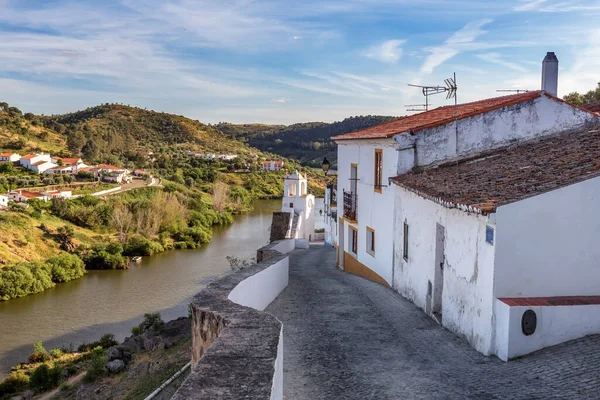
{"points": [[353, 233], [370, 241], [378, 170], [405, 252]]}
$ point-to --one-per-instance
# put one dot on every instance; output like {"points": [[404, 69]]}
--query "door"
{"points": [[438, 278], [341, 231], [353, 178]]}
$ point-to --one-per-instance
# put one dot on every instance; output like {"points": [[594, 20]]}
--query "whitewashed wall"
{"points": [[555, 324], [259, 290], [547, 245], [467, 301], [536, 118], [374, 210]]}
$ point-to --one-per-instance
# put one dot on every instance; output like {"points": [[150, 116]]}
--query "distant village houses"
{"points": [[9, 157], [272, 165], [478, 213]]}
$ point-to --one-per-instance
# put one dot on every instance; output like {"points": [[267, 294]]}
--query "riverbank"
{"points": [[115, 301]]}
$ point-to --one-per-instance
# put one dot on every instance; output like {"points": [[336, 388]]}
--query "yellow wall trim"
{"points": [[355, 267]]}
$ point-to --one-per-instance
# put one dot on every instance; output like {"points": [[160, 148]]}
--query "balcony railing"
{"points": [[350, 205]]}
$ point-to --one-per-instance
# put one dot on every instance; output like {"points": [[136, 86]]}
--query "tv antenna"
{"points": [[514, 90], [450, 89]]}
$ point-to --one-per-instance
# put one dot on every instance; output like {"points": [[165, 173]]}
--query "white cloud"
{"points": [[296, 37], [459, 41], [389, 51], [556, 6], [282, 100], [496, 58]]}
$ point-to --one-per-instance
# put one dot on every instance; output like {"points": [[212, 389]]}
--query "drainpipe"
{"points": [[168, 382]]}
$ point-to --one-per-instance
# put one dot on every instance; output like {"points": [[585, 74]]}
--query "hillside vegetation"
{"points": [[306, 142], [105, 131]]}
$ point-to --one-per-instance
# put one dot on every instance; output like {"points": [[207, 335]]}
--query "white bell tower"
{"points": [[300, 204]]}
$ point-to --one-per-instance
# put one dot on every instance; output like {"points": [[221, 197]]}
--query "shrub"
{"points": [[56, 353], [101, 257], [66, 267], [137, 245], [136, 330], [96, 366], [56, 375], [152, 321], [107, 340], [40, 380], [40, 354], [14, 383]]}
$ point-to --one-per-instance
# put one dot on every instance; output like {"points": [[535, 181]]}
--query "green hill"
{"points": [[112, 129], [306, 142]]}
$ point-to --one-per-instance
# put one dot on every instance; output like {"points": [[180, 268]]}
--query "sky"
{"points": [[284, 61]]}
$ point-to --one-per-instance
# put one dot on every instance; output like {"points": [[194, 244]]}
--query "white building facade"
{"points": [[9, 157], [479, 243], [443, 255]]}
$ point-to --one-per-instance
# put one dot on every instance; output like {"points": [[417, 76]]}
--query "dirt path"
{"points": [[71, 381]]}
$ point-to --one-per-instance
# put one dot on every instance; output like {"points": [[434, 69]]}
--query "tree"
{"points": [[75, 141], [580, 100], [122, 220], [65, 236], [220, 196], [60, 162]]}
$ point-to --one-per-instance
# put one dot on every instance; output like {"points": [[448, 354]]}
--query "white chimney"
{"points": [[550, 74]]}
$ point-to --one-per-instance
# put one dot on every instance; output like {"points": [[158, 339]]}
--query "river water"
{"points": [[115, 301]]}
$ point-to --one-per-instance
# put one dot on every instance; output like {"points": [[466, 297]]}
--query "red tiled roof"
{"points": [[28, 194], [438, 116], [39, 163], [6, 154], [73, 160], [510, 174], [28, 156], [593, 107], [551, 301], [109, 166]]}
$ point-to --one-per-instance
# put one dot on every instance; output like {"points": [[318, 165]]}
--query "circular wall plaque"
{"points": [[529, 322]]}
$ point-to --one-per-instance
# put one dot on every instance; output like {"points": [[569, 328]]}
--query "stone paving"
{"points": [[349, 338]]}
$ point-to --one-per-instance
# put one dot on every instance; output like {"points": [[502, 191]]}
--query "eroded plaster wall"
{"points": [[467, 304], [374, 209], [484, 132], [547, 245]]}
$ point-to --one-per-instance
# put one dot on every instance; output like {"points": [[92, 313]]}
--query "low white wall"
{"points": [[103, 192], [555, 324], [277, 388], [259, 290], [284, 246]]}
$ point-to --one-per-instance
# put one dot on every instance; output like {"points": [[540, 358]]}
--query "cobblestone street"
{"points": [[349, 338]]}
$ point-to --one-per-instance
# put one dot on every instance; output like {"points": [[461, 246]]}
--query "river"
{"points": [[115, 301]]}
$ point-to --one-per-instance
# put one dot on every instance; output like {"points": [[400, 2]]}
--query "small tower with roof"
{"points": [[300, 204]]}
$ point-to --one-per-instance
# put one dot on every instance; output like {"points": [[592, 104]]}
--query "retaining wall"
{"points": [[237, 349]]}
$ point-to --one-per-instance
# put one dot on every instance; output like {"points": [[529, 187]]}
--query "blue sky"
{"points": [[277, 61]]}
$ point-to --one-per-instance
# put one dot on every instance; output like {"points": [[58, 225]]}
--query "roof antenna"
{"points": [[450, 89]]}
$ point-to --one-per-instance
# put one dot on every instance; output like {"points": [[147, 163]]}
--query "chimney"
{"points": [[550, 74]]}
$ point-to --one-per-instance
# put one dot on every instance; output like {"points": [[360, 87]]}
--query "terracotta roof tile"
{"points": [[593, 107], [6, 154], [510, 174], [28, 156], [438, 116]]}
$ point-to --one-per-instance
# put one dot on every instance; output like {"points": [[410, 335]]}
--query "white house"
{"points": [[272, 165], [67, 161], [19, 196], [111, 173], [3, 200], [60, 170], [9, 157], [52, 194], [373, 221], [501, 247], [300, 204], [41, 166], [30, 159]]}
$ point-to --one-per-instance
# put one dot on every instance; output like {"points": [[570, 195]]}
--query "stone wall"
{"points": [[280, 225], [236, 350]]}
